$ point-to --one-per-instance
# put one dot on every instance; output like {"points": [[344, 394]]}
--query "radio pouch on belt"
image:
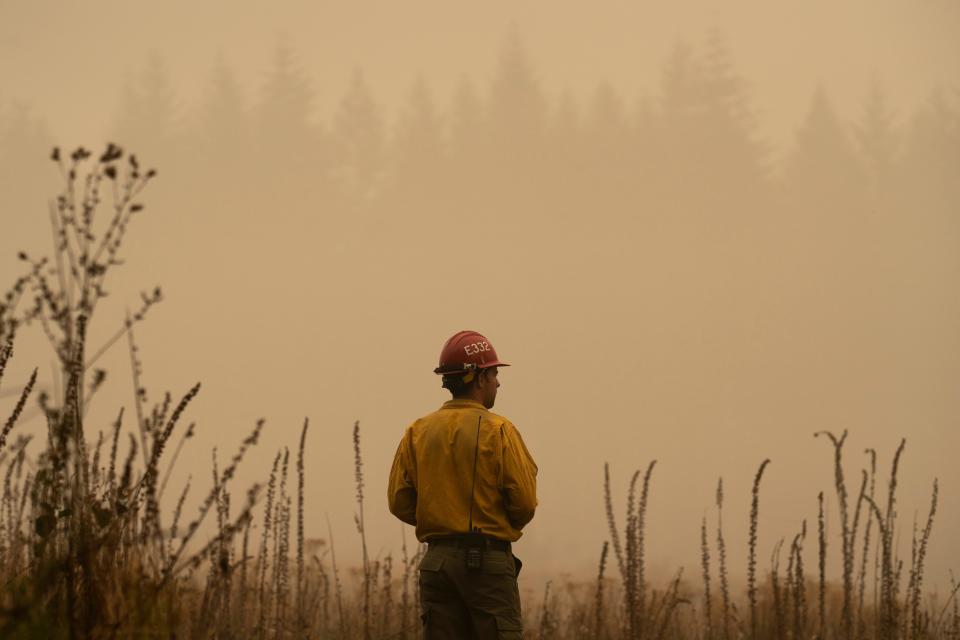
{"points": [[474, 542]]}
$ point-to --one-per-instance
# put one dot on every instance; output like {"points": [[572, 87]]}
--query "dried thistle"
{"points": [[800, 612], [752, 547], [862, 577], [611, 520], [300, 513], [779, 606], [17, 410], [822, 591], [916, 572], [847, 540], [722, 561], [599, 627], [705, 564], [262, 561], [641, 535]]}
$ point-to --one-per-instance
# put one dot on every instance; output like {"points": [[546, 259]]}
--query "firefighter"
{"points": [[464, 478]]}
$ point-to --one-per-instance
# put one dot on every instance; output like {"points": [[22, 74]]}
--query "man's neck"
{"points": [[468, 398]]}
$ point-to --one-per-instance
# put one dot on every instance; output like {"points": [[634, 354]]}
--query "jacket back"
{"points": [[433, 474]]}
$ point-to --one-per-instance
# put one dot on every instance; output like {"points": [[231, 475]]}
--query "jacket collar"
{"points": [[462, 403]]}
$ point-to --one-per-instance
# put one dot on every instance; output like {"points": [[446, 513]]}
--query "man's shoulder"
{"points": [[438, 415], [420, 422], [499, 421]]}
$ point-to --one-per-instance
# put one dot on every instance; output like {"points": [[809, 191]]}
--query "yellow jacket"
{"points": [[433, 472]]}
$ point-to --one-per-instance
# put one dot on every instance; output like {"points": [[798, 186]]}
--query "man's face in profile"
{"points": [[488, 383]]}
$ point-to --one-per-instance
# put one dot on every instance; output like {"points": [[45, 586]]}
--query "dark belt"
{"points": [[458, 541]]}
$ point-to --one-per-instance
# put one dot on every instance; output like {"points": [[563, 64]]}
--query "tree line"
{"points": [[688, 152]]}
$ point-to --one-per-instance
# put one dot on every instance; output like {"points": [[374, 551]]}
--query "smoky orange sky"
{"points": [[707, 339]]}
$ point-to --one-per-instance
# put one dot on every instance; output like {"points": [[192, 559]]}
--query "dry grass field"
{"points": [[85, 551]]}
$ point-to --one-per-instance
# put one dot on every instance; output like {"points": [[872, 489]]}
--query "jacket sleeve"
{"points": [[401, 491], [519, 478]]}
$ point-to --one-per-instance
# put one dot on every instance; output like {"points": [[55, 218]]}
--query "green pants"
{"points": [[469, 605]]}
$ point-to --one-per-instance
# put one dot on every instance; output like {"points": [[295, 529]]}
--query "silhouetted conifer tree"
{"points": [[567, 150], [608, 154], [931, 158], [740, 152], [468, 138], [222, 165], [645, 124], [821, 170], [706, 135], [359, 144], [517, 106], [471, 148], [288, 142], [608, 121], [517, 120], [825, 214], [683, 84], [726, 89], [878, 141], [419, 169], [148, 119], [566, 126], [223, 119], [678, 136]]}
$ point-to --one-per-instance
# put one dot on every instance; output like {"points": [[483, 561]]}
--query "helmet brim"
{"points": [[443, 371]]}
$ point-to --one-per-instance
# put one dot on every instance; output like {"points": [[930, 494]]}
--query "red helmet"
{"points": [[467, 351]]}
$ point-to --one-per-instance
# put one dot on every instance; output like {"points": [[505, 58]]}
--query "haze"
{"points": [[699, 231]]}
